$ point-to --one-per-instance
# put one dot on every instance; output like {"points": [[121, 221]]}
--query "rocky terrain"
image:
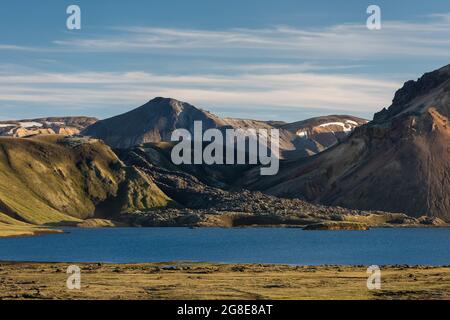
{"points": [[202, 204], [399, 162], [51, 125]]}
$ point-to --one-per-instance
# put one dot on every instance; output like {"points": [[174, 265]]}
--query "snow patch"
{"points": [[302, 134], [56, 123], [352, 122], [30, 124], [347, 126]]}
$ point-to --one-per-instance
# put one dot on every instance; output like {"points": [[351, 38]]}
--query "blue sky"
{"points": [[280, 60]]}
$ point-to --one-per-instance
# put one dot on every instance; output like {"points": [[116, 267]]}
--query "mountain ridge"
{"points": [[155, 121], [399, 162]]}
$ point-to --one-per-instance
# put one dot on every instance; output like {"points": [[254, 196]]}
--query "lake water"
{"points": [[250, 245]]}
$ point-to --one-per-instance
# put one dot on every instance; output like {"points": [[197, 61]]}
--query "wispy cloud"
{"points": [[292, 90], [12, 47], [290, 68], [350, 41]]}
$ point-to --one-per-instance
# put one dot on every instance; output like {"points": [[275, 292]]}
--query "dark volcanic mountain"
{"points": [[156, 120], [153, 122], [399, 162]]}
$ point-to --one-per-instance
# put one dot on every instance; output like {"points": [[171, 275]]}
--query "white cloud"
{"points": [[345, 41], [253, 85], [17, 48], [307, 90]]}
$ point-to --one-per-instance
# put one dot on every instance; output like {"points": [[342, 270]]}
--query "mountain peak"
{"points": [[166, 105], [404, 152], [164, 100], [152, 122], [428, 84]]}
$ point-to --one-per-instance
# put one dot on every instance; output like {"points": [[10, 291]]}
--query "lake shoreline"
{"points": [[182, 280], [200, 219], [34, 231], [27, 232]]}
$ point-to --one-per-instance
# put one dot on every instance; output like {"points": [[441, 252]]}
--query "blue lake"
{"points": [[250, 245]]}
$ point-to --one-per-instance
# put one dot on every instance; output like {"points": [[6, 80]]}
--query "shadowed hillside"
{"points": [[400, 162]]}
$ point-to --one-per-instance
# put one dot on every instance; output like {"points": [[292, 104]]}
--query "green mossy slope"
{"points": [[56, 180]]}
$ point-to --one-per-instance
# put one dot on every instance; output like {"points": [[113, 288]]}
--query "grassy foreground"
{"points": [[220, 281]]}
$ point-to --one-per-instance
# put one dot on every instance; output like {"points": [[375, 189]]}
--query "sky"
{"points": [[264, 59]]}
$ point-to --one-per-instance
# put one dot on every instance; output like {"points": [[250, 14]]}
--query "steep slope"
{"points": [[156, 120], [152, 122], [400, 162], [52, 179]]}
